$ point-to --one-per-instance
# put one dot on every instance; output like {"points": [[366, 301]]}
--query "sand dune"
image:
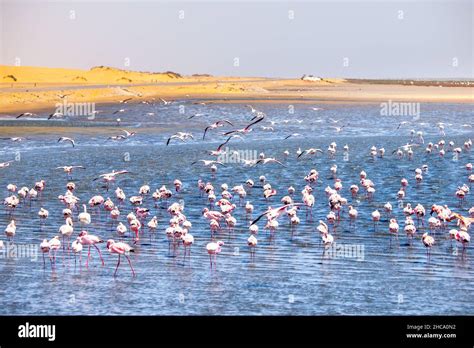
{"points": [[97, 75]]}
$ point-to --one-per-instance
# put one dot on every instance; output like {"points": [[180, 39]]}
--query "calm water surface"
{"points": [[290, 274]]}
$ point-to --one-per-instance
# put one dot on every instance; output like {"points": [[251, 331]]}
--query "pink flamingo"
{"points": [[393, 229], [135, 226], [410, 230], [462, 237], [428, 242], [76, 247], [352, 214], [375, 218], [66, 230], [54, 245], [188, 241], [121, 229], [153, 224], [252, 243], [10, 230], [43, 214], [45, 247], [214, 248], [120, 248], [90, 240]]}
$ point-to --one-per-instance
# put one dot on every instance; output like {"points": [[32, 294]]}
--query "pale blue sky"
{"points": [[377, 42]]}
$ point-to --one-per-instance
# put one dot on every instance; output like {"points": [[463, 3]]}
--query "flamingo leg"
{"points": [[130, 263], [88, 257], [100, 255], [116, 268]]}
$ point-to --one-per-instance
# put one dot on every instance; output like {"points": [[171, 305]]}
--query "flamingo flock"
{"points": [[230, 207]]}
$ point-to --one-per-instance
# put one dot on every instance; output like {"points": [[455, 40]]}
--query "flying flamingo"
{"points": [[69, 169], [215, 125]]}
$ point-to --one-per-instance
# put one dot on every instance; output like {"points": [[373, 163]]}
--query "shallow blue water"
{"points": [[290, 273]]}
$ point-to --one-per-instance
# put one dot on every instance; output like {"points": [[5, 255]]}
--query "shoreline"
{"points": [[40, 89], [358, 94]]}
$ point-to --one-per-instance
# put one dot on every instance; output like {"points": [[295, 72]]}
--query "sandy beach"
{"points": [[36, 88]]}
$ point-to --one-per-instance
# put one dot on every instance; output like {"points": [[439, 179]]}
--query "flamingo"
{"points": [[428, 242], [135, 226], [10, 230], [375, 217], [463, 237], [352, 214], [44, 247], [84, 217], [76, 247], [322, 228], [214, 248], [388, 208], [121, 229], [188, 240], [327, 239], [153, 224], [54, 245], [11, 188], [252, 243], [120, 248], [43, 214], [69, 169], [410, 230], [90, 240], [66, 230], [393, 229], [215, 125]]}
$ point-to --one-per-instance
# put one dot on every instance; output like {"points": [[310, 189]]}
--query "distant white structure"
{"points": [[311, 78]]}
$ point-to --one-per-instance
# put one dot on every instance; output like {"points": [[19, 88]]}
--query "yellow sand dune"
{"points": [[96, 75]]}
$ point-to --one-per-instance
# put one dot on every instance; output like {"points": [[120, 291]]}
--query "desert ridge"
{"points": [[96, 75]]}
